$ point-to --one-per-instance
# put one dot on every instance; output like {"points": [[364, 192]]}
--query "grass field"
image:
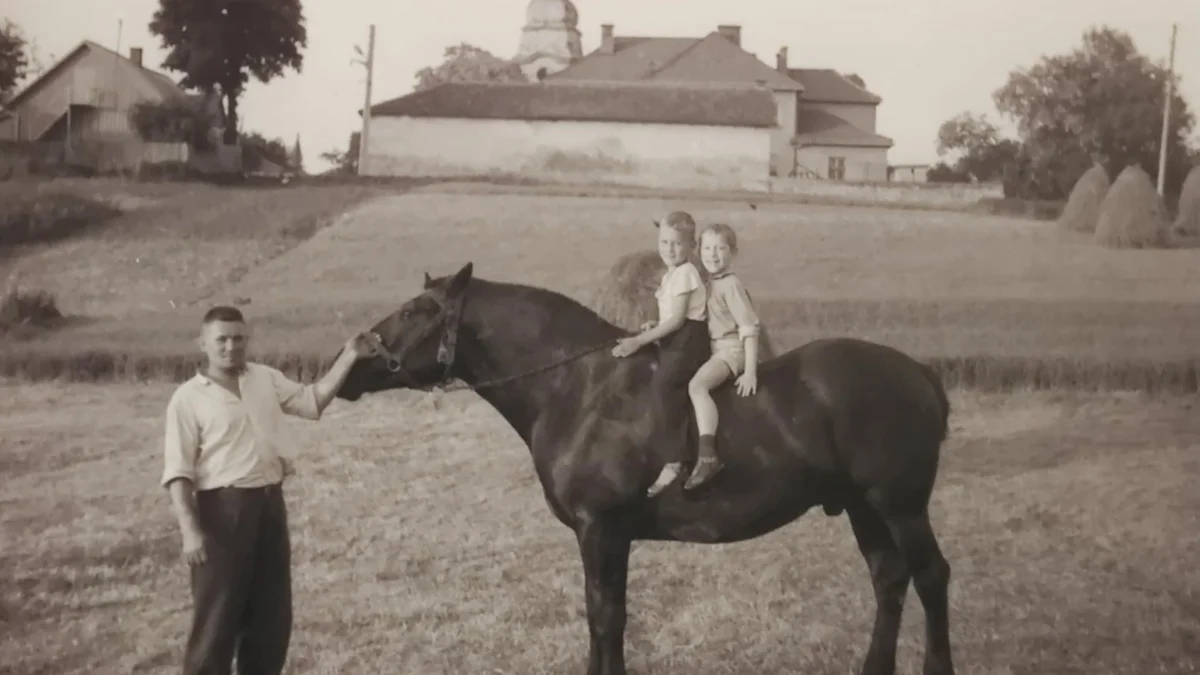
{"points": [[939, 284], [1070, 518], [175, 245], [1070, 521]]}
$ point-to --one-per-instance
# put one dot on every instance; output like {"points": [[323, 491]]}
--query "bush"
{"points": [[32, 216], [1037, 209], [23, 309], [1132, 214], [1083, 207]]}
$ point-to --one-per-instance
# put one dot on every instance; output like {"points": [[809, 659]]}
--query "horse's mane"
{"points": [[586, 325]]}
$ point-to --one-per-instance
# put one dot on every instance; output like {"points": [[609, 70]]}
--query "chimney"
{"points": [[732, 33], [781, 60], [135, 55], [607, 42]]}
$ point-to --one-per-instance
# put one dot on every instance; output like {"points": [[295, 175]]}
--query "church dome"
{"points": [[558, 13]]}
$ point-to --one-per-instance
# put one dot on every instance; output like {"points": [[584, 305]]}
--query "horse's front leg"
{"points": [[604, 548]]}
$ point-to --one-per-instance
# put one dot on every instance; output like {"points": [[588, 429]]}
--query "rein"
{"points": [[450, 318]]}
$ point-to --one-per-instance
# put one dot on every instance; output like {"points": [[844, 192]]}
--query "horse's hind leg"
{"points": [[889, 576], [931, 577]]}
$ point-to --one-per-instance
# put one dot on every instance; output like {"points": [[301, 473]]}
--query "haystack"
{"points": [[1187, 223], [626, 295], [1083, 206], [1132, 214]]}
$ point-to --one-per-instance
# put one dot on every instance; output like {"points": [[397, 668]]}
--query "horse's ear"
{"points": [[428, 280], [656, 225], [459, 282]]}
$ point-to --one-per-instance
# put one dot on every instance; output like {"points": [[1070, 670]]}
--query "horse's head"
{"points": [[417, 341]]}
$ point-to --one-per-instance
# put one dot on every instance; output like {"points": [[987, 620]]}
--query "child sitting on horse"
{"points": [[683, 340], [733, 327]]}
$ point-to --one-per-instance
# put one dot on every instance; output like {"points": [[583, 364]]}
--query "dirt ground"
{"points": [[422, 545]]}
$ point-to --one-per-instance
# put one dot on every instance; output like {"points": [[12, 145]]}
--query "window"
{"points": [[837, 168]]}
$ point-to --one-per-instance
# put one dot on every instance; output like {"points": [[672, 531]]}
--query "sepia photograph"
{"points": [[568, 337]]}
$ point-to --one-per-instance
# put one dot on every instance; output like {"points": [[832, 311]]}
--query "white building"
{"points": [[671, 111]]}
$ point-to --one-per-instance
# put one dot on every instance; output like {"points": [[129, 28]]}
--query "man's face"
{"points": [[224, 343]]}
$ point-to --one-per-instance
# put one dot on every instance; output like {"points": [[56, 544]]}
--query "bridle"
{"points": [[449, 319]]}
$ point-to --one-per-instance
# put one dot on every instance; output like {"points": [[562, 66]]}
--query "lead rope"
{"points": [[459, 385]]}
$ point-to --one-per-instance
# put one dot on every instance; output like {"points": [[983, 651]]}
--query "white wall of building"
{"points": [[657, 155]]}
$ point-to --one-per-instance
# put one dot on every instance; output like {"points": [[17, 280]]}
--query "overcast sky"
{"points": [[928, 59]]}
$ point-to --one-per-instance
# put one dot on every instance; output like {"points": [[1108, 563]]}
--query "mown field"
{"points": [[422, 545], [996, 301]]}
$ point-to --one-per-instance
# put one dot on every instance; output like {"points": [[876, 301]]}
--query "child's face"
{"points": [[673, 246], [715, 253]]}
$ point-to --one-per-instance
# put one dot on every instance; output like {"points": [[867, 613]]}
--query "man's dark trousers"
{"points": [[241, 594]]}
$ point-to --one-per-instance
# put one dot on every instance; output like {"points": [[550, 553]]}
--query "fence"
{"points": [[127, 157]]}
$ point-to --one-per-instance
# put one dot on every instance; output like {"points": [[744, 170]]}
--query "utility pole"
{"points": [[1166, 125], [369, 62]]}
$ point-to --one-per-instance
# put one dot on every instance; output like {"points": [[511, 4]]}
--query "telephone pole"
{"points": [[369, 62], [1166, 125]]}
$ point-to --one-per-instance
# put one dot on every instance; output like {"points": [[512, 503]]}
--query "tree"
{"points": [[343, 163], [171, 122], [296, 159], [1100, 102], [983, 154], [256, 148], [14, 61], [219, 44], [468, 63]]}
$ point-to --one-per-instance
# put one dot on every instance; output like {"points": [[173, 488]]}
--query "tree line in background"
{"points": [[1101, 103]]}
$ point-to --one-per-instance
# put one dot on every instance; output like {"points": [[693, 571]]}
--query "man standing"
{"points": [[224, 472]]}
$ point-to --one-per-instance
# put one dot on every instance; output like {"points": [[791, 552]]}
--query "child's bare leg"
{"points": [[707, 378]]}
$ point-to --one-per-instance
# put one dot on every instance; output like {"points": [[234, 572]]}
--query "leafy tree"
{"points": [[944, 173], [342, 161], [468, 63], [219, 44], [256, 147], [984, 155], [1102, 101], [14, 61]]}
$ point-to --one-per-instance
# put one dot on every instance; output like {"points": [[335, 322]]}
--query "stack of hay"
{"points": [[1083, 206], [1187, 223], [625, 296], [1132, 214]]}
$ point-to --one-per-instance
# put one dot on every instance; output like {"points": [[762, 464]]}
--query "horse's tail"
{"points": [[939, 390]]}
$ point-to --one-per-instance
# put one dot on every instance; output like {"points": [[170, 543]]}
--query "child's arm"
{"points": [[668, 325], [748, 325]]}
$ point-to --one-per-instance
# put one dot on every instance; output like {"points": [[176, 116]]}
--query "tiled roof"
{"points": [[818, 127], [712, 58], [634, 102], [825, 85], [159, 81]]}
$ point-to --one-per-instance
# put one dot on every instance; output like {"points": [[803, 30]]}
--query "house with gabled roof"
{"points": [[826, 121], [83, 102]]}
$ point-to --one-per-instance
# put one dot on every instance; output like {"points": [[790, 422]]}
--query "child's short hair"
{"points": [[680, 221], [725, 232]]}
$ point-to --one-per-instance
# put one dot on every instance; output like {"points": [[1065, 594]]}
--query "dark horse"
{"points": [[846, 424]]}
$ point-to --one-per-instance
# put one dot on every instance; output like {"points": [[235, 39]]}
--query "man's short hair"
{"points": [[223, 313]]}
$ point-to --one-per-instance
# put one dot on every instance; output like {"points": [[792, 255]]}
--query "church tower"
{"points": [[550, 39]]}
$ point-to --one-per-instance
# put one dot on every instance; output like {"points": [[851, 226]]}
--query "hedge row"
{"points": [[987, 373]]}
